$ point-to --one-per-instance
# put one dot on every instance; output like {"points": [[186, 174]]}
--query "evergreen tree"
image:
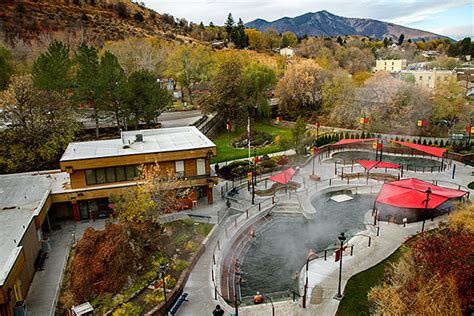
{"points": [[6, 69], [401, 39], [229, 25], [51, 70], [87, 84], [385, 42], [339, 40]]}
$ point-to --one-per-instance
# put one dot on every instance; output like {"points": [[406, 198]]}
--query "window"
{"points": [[201, 167], [100, 175], [421, 78], [90, 177], [120, 174], [110, 175], [429, 78], [179, 166], [131, 172]]}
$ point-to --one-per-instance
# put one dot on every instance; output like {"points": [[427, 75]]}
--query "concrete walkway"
{"points": [[44, 290], [323, 275]]}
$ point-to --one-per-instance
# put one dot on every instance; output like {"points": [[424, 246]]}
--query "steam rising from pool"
{"points": [[274, 256]]}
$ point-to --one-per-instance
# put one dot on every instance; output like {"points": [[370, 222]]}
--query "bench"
{"points": [[40, 259], [181, 299]]}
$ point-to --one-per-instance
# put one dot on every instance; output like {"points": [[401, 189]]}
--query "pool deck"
{"points": [[323, 275]]}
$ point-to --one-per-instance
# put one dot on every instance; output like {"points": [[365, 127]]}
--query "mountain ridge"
{"points": [[324, 23]]}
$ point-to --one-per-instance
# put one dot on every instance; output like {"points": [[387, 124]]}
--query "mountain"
{"points": [[323, 23]]}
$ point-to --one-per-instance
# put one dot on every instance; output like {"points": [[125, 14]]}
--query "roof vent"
{"points": [[139, 137]]}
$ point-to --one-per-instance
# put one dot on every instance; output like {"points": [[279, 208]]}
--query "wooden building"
{"points": [[100, 168], [90, 173]]}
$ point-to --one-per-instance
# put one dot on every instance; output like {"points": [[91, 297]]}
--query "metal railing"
{"points": [[228, 237]]}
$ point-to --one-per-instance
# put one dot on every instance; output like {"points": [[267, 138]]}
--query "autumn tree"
{"points": [[228, 97], [336, 91], [6, 69], [301, 88], [434, 276], [52, 69], [450, 106], [40, 126], [158, 191], [271, 38], [299, 138], [141, 53], [256, 40], [289, 39], [145, 99], [190, 64], [260, 79]]}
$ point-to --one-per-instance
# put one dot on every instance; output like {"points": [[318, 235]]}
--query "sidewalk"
{"points": [[42, 295]]}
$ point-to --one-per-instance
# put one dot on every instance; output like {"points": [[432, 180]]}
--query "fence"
{"points": [[228, 236]]}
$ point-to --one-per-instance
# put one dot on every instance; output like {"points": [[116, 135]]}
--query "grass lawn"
{"points": [[226, 152], [355, 294]]}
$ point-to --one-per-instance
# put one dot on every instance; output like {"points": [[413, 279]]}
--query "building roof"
{"points": [[154, 141], [22, 196]]}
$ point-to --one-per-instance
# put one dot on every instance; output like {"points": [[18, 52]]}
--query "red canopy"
{"points": [[438, 152], [369, 164], [283, 177], [351, 141], [411, 193]]}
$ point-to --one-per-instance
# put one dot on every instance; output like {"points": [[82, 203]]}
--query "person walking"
{"points": [[218, 311]]}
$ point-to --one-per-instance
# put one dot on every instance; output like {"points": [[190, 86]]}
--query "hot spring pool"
{"points": [[274, 256], [408, 163]]}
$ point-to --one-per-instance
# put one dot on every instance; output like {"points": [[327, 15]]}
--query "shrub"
{"points": [[139, 17], [122, 10], [129, 308], [191, 246]]}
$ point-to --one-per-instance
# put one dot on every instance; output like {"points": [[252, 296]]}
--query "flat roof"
{"points": [[22, 195], [154, 141]]}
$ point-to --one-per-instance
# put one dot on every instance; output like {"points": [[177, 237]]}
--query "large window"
{"points": [[179, 166], [111, 174], [201, 167]]}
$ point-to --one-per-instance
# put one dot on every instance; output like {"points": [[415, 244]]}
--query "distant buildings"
{"points": [[427, 78], [390, 65], [288, 52]]}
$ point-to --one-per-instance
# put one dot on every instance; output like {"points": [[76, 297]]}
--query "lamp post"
{"points": [[428, 192], [341, 238], [162, 270], [254, 178]]}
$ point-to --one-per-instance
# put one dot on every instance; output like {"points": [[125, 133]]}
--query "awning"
{"points": [[369, 164], [411, 193], [351, 141], [283, 177], [438, 152]]}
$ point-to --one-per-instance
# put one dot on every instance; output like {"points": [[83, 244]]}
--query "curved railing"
{"points": [[226, 239]]}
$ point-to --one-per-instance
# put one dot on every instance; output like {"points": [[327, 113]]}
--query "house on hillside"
{"points": [[200, 89], [428, 78], [391, 65], [287, 51]]}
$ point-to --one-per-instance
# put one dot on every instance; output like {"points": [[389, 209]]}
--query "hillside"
{"points": [[98, 20], [323, 23]]}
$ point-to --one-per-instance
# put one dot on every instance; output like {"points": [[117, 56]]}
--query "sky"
{"points": [[453, 18]]}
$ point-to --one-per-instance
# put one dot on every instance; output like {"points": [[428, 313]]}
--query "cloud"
{"points": [[403, 12], [456, 32]]}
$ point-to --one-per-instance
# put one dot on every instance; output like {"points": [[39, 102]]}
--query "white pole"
{"points": [[248, 137]]}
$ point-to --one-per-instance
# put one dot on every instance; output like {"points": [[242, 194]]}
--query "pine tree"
{"points": [[229, 24], [401, 39]]}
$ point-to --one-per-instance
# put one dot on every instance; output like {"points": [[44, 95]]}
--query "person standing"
{"points": [[218, 311]]}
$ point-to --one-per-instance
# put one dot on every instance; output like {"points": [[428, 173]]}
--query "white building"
{"points": [[391, 65], [288, 52], [428, 78]]}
